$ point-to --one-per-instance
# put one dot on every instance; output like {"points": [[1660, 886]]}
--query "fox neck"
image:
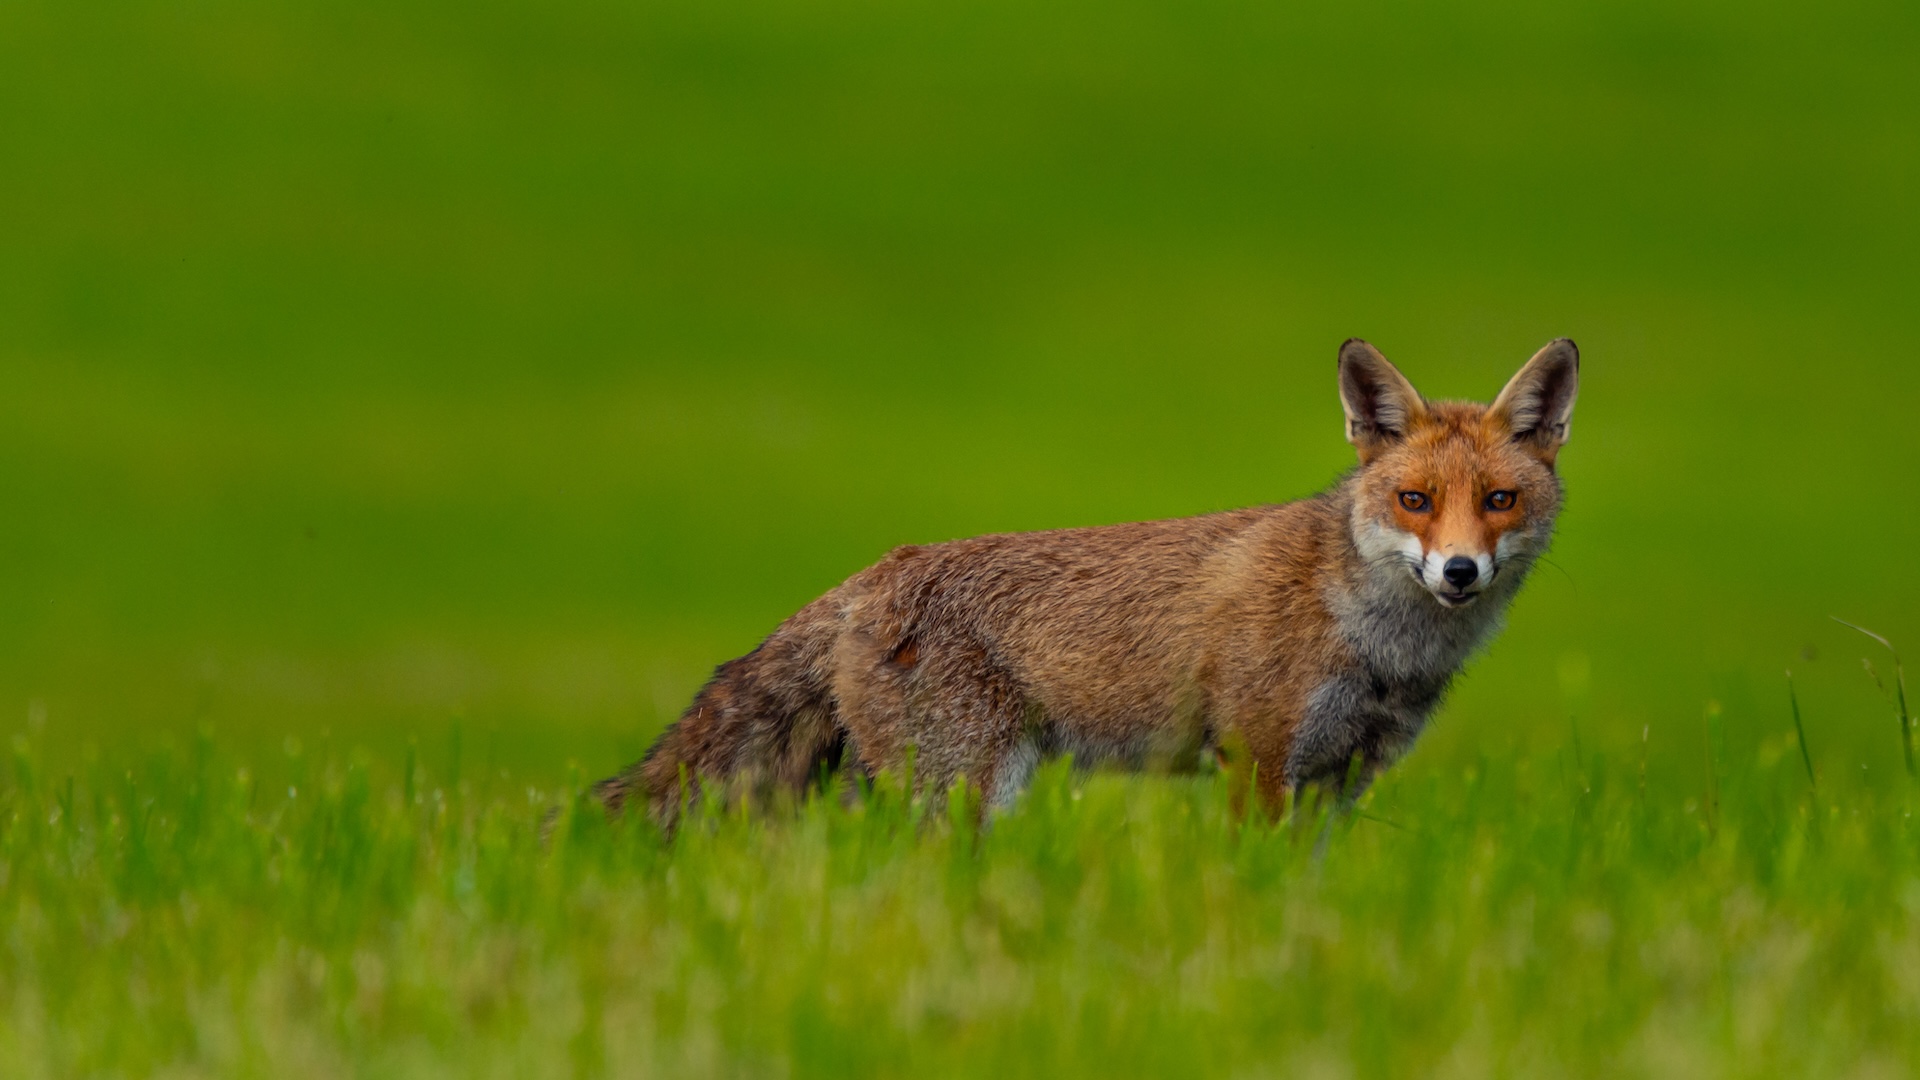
{"points": [[1400, 630]]}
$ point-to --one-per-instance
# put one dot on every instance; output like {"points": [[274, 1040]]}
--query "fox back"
{"points": [[1298, 644]]}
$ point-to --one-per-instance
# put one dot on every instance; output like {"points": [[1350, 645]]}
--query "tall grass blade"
{"points": [[1900, 693], [1713, 768], [1799, 729], [1646, 736]]}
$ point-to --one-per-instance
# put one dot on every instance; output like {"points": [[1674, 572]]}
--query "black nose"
{"points": [[1460, 571]]}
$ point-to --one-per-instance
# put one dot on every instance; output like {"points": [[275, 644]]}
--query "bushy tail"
{"points": [[764, 723]]}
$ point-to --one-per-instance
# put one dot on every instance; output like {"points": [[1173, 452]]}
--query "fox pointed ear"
{"points": [[1537, 403], [1381, 405]]}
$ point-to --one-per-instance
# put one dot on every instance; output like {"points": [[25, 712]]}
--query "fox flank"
{"points": [[1289, 641]]}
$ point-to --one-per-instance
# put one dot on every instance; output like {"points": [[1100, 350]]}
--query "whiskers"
{"points": [[1392, 563]]}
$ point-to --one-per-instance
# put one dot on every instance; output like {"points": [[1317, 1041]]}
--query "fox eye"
{"points": [[1500, 500], [1414, 500]]}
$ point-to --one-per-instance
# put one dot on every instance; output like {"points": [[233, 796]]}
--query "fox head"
{"points": [[1458, 496]]}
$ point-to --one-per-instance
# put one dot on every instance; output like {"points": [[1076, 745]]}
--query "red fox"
{"points": [[1313, 638]]}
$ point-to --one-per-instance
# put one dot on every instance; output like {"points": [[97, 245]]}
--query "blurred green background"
{"points": [[373, 369]]}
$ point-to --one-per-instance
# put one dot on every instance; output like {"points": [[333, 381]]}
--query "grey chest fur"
{"points": [[1359, 713], [1404, 650]]}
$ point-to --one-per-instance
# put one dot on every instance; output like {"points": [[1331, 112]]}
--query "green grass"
{"points": [[381, 378], [1547, 918]]}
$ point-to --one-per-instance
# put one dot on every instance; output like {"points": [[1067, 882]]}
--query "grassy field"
{"points": [[1546, 919], [405, 407]]}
